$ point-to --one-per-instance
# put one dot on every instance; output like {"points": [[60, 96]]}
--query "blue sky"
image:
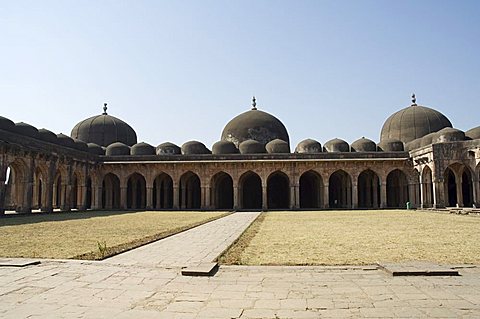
{"points": [[180, 70]]}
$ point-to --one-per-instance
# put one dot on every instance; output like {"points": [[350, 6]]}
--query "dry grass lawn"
{"points": [[356, 238], [84, 235]]}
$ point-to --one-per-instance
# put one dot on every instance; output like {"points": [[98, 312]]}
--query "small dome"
{"points": [[427, 139], [448, 134], [364, 145], [224, 147], [81, 145], [412, 145], [65, 140], [117, 149], [142, 149], [336, 145], [104, 130], [95, 149], [254, 125], [277, 146], [194, 147], [308, 146], [26, 129], [473, 133], [168, 148], [252, 147], [6, 124], [47, 136], [391, 145], [413, 122]]}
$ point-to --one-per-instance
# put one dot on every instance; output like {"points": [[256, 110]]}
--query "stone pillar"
{"points": [[292, 197], [412, 195], [297, 196], [97, 196], [48, 207], [149, 198], [422, 191], [354, 194], [476, 190], [3, 188], [458, 185], [264, 196], [375, 194], [66, 203], [123, 196], [176, 196], [235, 197], [28, 186], [383, 195], [326, 199], [438, 193], [205, 197]]}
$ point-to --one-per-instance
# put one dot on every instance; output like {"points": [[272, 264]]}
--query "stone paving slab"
{"points": [[192, 247], [419, 268], [18, 262], [204, 269], [100, 290]]}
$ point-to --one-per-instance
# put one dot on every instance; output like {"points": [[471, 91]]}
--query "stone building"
{"points": [[419, 159]]}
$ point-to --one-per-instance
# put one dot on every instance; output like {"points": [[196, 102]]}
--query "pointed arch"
{"points": [[368, 189], [311, 190], [163, 192], [340, 190], [450, 186], [136, 191], [278, 191], [250, 191], [222, 191], [397, 189], [427, 187], [467, 187], [190, 191], [111, 191]]}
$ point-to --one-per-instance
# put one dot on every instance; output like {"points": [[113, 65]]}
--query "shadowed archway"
{"points": [[111, 192], [397, 189], [368, 189], [162, 192], [190, 191], [250, 189], [340, 190], [136, 192], [278, 191], [222, 191], [311, 190]]}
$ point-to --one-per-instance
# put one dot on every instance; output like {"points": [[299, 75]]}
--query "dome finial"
{"points": [[254, 103], [104, 108], [414, 100]]}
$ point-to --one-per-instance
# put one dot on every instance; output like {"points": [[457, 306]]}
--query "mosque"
{"points": [[420, 161]]}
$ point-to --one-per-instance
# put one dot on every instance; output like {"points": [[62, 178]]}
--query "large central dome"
{"points": [[254, 125], [413, 122], [104, 130]]}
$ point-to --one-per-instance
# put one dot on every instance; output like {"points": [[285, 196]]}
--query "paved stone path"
{"points": [[146, 283], [200, 244], [74, 289]]}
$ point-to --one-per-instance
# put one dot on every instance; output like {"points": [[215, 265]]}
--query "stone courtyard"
{"points": [[147, 283]]}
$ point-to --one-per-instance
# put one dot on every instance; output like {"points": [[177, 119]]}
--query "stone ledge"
{"points": [[418, 268], [18, 262], [204, 269]]}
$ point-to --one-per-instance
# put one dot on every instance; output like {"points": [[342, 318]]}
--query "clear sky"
{"points": [[180, 70]]}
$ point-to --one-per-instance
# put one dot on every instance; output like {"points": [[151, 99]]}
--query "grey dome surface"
{"points": [[391, 145], [308, 146], [194, 147], [254, 125], [95, 149], [252, 147], [81, 145], [6, 124], [104, 130], [473, 133], [277, 146], [47, 136], [224, 147], [413, 122], [448, 134], [336, 145], [26, 129], [117, 149], [142, 149], [168, 148], [364, 145], [65, 140]]}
